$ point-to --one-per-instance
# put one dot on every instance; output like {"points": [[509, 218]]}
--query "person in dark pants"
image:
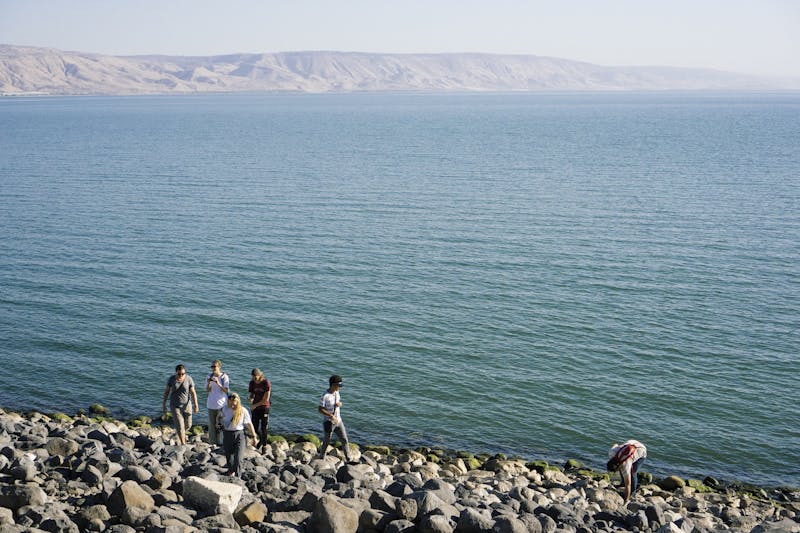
{"points": [[329, 407], [259, 392], [235, 419]]}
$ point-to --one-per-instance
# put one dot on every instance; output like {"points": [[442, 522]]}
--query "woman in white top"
{"points": [[235, 418]]}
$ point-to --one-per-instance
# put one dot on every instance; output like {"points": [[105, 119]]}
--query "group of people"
{"points": [[227, 415], [226, 412]]}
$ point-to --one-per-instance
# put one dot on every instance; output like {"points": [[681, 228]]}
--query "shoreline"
{"points": [[60, 469]]}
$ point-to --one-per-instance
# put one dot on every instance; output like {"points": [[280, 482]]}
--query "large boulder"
{"points": [[436, 523], [474, 521], [251, 513], [211, 497], [129, 494], [62, 447], [330, 516], [16, 496]]}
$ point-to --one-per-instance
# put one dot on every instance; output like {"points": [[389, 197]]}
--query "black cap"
{"points": [[335, 379]]}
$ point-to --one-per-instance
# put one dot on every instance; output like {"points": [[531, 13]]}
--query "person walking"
{"points": [[259, 392], [235, 419], [218, 385], [181, 393], [330, 408], [627, 458]]}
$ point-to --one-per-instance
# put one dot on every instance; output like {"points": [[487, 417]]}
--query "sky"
{"points": [[755, 37]]}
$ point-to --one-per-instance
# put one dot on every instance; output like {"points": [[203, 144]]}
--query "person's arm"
{"points": [[267, 395], [164, 401], [209, 380], [327, 413], [625, 472], [252, 430], [224, 383], [194, 397]]}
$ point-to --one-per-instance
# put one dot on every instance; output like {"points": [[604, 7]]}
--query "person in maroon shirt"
{"points": [[259, 392]]}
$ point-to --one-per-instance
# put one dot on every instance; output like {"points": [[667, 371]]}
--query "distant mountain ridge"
{"points": [[30, 70]]}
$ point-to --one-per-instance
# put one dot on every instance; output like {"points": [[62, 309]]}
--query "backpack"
{"points": [[624, 453]]}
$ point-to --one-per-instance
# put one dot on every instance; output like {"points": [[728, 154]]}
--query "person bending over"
{"points": [[627, 458]]}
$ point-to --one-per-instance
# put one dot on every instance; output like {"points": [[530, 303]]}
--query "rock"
{"points": [[671, 483], [129, 494], [442, 489], [400, 526], [436, 523], [509, 524], [24, 470], [427, 502], [92, 476], [383, 501], [786, 525], [211, 497], [251, 513], [474, 521], [6, 516], [373, 521], [654, 514], [216, 522], [512, 467], [96, 512], [134, 473], [16, 496], [99, 436], [361, 472], [134, 516], [548, 524], [406, 509], [330, 516], [62, 447]]}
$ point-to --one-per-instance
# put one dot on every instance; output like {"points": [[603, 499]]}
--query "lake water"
{"points": [[536, 274]]}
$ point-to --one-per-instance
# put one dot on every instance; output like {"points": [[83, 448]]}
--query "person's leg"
{"points": [[180, 428], [341, 432], [264, 430], [238, 452], [634, 474], [187, 421], [258, 418], [213, 437], [327, 429], [227, 445]]}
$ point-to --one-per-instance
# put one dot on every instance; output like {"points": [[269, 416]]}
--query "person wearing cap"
{"points": [[180, 391], [330, 408], [634, 455]]}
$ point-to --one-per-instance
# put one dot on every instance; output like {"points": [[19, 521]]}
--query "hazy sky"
{"points": [[756, 36]]}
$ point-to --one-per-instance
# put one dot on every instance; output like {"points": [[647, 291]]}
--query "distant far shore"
{"points": [[27, 70]]}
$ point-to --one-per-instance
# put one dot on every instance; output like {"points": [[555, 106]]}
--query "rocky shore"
{"points": [[92, 473]]}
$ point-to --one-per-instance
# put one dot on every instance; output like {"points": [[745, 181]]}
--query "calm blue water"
{"points": [[538, 274]]}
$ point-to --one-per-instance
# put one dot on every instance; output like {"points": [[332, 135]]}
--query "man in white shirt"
{"points": [[330, 407]]}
